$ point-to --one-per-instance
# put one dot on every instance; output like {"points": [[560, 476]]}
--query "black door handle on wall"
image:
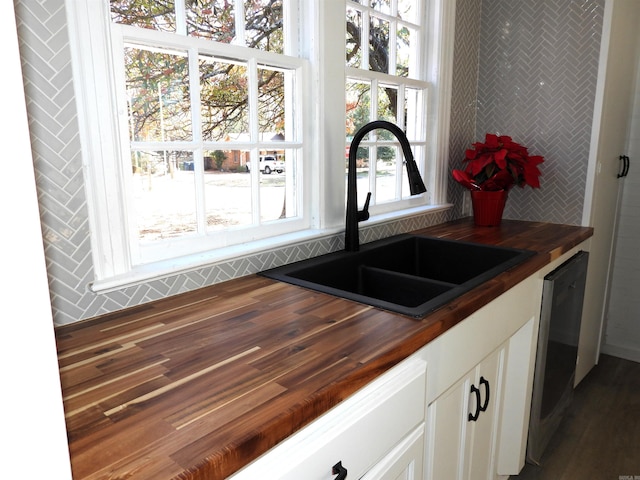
{"points": [[625, 166], [474, 416], [339, 470], [484, 382]]}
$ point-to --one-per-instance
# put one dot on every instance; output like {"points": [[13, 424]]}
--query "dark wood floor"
{"points": [[600, 437]]}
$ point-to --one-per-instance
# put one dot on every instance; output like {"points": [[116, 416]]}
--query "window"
{"points": [[385, 45], [208, 125], [201, 111]]}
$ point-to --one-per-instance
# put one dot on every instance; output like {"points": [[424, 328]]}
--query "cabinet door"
{"points": [[404, 462], [463, 424], [483, 431], [447, 426]]}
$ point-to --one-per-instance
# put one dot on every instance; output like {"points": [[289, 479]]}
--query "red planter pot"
{"points": [[488, 207]]}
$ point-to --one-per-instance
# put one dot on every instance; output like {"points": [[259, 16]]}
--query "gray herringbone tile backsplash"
{"points": [[537, 83], [537, 68]]}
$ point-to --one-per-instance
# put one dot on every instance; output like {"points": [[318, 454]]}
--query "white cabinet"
{"points": [[463, 423], [498, 344], [380, 429], [405, 461], [495, 344]]}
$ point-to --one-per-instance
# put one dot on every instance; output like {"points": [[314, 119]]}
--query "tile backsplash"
{"points": [[537, 84]]}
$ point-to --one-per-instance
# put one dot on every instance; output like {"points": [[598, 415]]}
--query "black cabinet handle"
{"points": [[480, 406], [339, 470], [625, 166], [474, 416], [484, 382]]}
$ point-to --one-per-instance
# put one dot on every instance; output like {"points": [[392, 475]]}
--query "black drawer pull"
{"points": [[484, 382], [474, 416], [339, 470]]}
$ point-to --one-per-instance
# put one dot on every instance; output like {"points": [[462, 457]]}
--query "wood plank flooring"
{"points": [[600, 437]]}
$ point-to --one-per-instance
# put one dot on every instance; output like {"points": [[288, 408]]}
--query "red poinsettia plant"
{"points": [[498, 164]]}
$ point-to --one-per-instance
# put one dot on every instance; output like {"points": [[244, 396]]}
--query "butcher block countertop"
{"points": [[198, 385]]}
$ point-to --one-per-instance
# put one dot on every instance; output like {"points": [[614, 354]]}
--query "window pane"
{"points": [[158, 95], [224, 98], [354, 38], [212, 19], [271, 103], [227, 189], [358, 96], [414, 115], [263, 25], [407, 10], [163, 194], [292, 192], [273, 202], [156, 15], [379, 45], [362, 173], [383, 6], [386, 174], [403, 53], [388, 103]]}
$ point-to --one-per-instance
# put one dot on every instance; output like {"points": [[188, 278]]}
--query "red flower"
{"points": [[498, 164]]}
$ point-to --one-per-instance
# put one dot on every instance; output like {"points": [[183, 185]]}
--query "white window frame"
{"points": [[323, 131], [253, 59], [437, 65], [377, 79]]}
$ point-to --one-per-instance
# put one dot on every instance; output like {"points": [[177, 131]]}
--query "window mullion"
{"points": [[364, 39], [291, 21], [181, 17], [399, 153], [194, 93], [239, 19], [198, 152], [401, 107], [393, 47], [254, 134], [373, 107], [373, 152]]}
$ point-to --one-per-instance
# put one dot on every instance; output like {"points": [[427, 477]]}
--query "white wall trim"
{"points": [[626, 353]]}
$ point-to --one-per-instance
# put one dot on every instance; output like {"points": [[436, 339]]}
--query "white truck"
{"points": [[268, 164]]}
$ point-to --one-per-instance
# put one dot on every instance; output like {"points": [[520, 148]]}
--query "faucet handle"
{"points": [[364, 213]]}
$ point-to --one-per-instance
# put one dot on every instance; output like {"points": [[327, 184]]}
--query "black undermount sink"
{"points": [[408, 274]]}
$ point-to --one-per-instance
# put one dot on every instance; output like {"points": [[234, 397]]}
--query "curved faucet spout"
{"points": [[416, 185]]}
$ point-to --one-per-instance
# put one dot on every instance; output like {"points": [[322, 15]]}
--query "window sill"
{"points": [[409, 212], [188, 263]]}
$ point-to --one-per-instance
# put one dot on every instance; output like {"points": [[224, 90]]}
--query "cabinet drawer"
{"points": [[358, 432]]}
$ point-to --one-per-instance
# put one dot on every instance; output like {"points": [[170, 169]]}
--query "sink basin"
{"points": [[408, 274]]}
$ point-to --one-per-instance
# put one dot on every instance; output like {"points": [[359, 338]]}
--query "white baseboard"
{"points": [[632, 354]]}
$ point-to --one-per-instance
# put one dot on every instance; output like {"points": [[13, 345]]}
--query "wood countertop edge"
{"points": [[243, 450]]}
